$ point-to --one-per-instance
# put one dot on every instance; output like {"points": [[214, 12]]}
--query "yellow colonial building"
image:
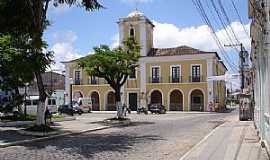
{"points": [[174, 77]]}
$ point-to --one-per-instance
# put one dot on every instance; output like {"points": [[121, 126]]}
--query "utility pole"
{"points": [[241, 56], [242, 66], [231, 95]]}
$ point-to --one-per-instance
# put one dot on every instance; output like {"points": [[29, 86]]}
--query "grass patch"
{"points": [[57, 116], [42, 128], [18, 118]]}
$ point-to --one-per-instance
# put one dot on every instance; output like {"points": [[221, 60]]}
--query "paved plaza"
{"points": [[167, 136]]}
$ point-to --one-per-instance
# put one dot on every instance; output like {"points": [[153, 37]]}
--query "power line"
{"points": [[223, 11], [216, 20], [223, 23], [199, 6], [227, 59], [219, 23], [228, 20], [240, 19]]}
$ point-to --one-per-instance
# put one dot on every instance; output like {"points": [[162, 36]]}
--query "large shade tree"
{"points": [[114, 65], [13, 70], [28, 17]]}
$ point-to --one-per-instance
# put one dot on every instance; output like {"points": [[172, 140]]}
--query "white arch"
{"points": [[169, 99], [189, 98], [106, 97], [156, 89]]}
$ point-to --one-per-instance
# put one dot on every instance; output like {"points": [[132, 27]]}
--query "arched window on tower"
{"points": [[132, 32]]}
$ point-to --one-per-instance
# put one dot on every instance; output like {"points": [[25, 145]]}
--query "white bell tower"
{"points": [[138, 26]]}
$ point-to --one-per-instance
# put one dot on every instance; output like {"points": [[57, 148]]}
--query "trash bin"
{"points": [[245, 107]]}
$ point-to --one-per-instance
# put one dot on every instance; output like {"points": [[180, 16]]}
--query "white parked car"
{"points": [[85, 104]]}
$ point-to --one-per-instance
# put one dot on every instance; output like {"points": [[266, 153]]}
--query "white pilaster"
{"points": [[143, 38], [210, 84], [143, 84], [121, 33], [67, 84]]}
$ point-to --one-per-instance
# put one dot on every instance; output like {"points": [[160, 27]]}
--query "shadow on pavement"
{"points": [[8, 136], [87, 145], [132, 124]]}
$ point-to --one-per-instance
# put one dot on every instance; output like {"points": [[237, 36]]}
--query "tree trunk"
{"points": [[119, 106], [18, 104], [42, 98]]}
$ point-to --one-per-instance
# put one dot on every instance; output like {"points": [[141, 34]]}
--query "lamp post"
{"points": [[71, 83], [25, 89]]}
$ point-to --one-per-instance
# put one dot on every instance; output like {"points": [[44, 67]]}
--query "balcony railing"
{"points": [[77, 82], [175, 79], [196, 79], [155, 80], [94, 81], [180, 79], [98, 81]]}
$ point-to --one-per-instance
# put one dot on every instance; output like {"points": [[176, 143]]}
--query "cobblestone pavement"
{"points": [[153, 137]]}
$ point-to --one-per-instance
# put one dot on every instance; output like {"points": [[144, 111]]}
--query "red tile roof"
{"points": [[181, 50]]}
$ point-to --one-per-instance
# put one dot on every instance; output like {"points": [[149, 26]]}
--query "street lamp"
{"points": [[25, 88], [71, 83]]}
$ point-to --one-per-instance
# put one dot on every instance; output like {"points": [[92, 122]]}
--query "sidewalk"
{"points": [[10, 136], [233, 140]]}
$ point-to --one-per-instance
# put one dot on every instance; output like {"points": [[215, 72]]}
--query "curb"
{"points": [[22, 123], [15, 123], [64, 119], [202, 141], [55, 136]]}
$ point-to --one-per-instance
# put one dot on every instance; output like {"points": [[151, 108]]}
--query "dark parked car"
{"points": [[157, 108], [70, 110]]}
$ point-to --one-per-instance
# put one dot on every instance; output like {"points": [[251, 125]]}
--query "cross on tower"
{"points": [[136, 5]]}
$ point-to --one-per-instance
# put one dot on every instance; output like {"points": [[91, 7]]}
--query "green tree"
{"points": [[13, 69], [29, 17], [114, 65]]}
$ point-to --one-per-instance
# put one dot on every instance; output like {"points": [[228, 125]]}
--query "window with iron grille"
{"points": [[77, 77], [92, 80], [175, 74], [155, 74], [196, 73], [133, 73]]}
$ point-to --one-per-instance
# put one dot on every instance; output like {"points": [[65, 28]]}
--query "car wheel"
{"points": [[80, 112]]}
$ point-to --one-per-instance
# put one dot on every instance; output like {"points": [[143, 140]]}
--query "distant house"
{"points": [[52, 81], [175, 77]]}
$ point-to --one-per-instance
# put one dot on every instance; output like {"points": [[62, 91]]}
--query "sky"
{"points": [[74, 32]]}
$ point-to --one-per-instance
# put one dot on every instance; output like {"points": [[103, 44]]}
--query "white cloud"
{"points": [[169, 35], [64, 36], [115, 40], [64, 49]]}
